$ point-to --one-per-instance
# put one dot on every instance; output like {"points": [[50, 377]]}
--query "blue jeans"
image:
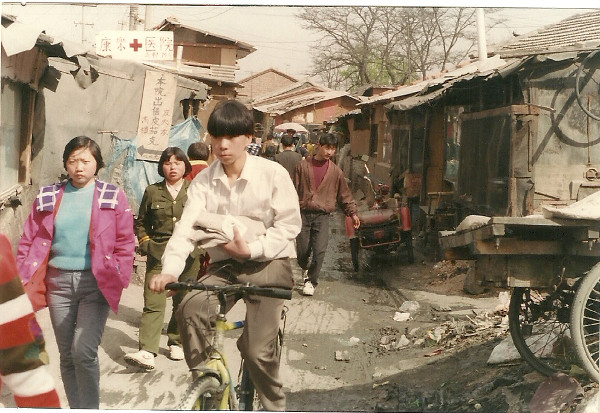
{"points": [[78, 312]]}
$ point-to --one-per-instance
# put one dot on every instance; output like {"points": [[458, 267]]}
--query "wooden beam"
{"points": [[512, 246], [463, 238]]}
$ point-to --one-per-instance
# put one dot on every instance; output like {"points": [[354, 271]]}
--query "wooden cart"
{"points": [[552, 267]]}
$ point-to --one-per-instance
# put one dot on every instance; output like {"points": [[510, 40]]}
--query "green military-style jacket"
{"points": [[157, 217]]}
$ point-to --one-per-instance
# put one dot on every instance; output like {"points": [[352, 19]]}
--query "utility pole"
{"points": [[147, 17], [133, 16], [481, 41], [83, 23]]}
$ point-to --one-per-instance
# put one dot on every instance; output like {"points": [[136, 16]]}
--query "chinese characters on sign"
{"points": [[135, 45], [156, 113]]}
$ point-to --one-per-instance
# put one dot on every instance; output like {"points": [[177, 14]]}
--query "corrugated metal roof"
{"points": [[579, 32], [489, 66]]}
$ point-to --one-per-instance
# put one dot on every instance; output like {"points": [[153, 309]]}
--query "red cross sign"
{"points": [[135, 45]]}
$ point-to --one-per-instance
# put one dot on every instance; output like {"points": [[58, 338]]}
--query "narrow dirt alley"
{"points": [[345, 348]]}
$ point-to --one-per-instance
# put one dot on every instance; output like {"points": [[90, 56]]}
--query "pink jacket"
{"points": [[112, 239]]}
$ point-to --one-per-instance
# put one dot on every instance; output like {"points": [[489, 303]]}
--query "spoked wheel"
{"points": [[585, 321], [204, 393], [539, 326]]}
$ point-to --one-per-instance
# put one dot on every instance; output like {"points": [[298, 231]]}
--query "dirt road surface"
{"points": [[442, 368]]}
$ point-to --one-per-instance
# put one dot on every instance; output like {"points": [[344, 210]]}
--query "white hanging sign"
{"points": [[135, 45], [156, 114]]}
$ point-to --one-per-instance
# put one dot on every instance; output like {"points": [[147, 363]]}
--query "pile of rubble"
{"points": [[453, 334], [447, 269]]}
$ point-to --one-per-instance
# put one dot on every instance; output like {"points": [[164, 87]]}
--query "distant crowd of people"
{"points": [[77, 250]]}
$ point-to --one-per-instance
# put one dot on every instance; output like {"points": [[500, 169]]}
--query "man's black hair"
{"points": [[270, 151], [198, 151], [179, 155], [79, 142], [287, 140], [230, 118], [328, 139]]}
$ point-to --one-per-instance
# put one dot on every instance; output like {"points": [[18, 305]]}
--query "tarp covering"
{"points": [[587, 208], [19, 37], [138, 174]]}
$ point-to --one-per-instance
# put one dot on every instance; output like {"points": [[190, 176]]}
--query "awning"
{"points": [[415, 101]]}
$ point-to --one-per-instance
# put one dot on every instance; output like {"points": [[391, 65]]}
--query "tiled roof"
{"points": [[175, 22], [579, 32], [267, 71], [302, 101]]}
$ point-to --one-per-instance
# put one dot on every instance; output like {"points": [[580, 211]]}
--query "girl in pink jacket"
{"points": [[76, 256]]}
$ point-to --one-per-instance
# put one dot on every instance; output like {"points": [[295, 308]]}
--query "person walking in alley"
{"points": [[160, 209], [250, 189], [288, 158], [76, 256], [320, 183], [198, 154]]}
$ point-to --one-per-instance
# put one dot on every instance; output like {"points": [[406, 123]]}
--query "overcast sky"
{"points": [[276, 33]]}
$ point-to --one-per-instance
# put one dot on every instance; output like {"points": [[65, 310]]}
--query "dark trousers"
{"points": [[313, 237]]}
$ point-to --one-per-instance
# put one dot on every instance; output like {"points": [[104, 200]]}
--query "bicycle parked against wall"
{"points": [[214, 390]]}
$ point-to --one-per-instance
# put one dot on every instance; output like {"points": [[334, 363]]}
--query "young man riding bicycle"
{"points": [[258, 197]]}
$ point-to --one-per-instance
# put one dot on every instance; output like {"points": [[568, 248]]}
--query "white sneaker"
{"points": [[175, 352], [308, 289], [142, 358]]}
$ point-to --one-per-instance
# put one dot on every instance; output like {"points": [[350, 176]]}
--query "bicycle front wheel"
{"points": [[204, 393], [585, 322]]}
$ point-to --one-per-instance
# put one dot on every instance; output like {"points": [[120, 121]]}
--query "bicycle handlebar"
{"points": [[246, 288]]}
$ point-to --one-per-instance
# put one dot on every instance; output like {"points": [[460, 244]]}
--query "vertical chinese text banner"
{"points": [[156, 113]]}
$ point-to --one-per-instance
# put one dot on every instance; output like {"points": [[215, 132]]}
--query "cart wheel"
{"points": [[585, 319], [539, 327], [354, 248]]}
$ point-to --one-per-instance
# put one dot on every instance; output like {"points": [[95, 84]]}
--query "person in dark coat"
{"points": [[288, 158], [321, 185]]}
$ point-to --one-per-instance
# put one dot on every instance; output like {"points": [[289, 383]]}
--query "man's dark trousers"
{"points": [[314, 237]]}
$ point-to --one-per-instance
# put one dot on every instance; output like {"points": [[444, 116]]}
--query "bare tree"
{"points": [[395, 45], [348, 35]]}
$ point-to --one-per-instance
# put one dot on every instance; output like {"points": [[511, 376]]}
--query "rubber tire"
{"points": [[207, 386], [517, 334], [409, 247], [248, 397], [586, 308], [354, 248]]}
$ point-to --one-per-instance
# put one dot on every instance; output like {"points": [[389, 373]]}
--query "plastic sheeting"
{"points": [[138, 174], [587, 208]]}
